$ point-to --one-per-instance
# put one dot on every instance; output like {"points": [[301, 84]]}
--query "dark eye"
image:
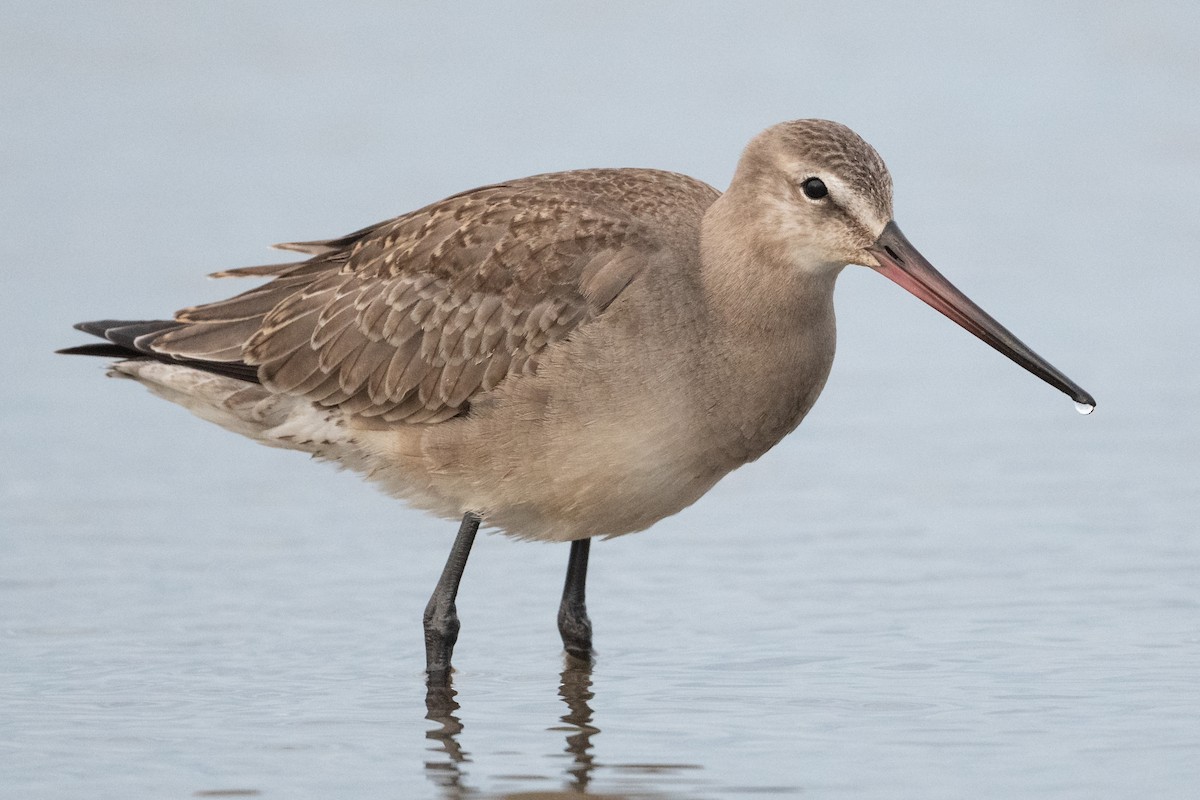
{"points": [[814, 188]]}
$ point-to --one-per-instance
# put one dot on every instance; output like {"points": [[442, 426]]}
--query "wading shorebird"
{"points": [[564, 356]]}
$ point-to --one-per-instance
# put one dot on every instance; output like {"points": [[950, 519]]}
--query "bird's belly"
{"points": [[569, 472], [598, 476]]}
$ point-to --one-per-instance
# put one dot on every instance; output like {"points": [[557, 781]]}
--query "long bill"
{"points": [[901, 262]]}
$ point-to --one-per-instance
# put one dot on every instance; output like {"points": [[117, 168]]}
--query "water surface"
{"points": [[946, 584]]}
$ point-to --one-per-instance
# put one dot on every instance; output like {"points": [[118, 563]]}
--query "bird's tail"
{"points": [[134, 339], [226, 393]]}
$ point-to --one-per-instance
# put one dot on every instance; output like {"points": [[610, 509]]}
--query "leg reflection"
{"points": [[576, 690], [445, 773], [446, 768]]}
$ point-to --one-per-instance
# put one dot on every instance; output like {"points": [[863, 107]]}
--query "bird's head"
{"points": [[816, 197]]}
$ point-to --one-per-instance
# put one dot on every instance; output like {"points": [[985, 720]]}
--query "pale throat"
{"points": [[763, 266]]}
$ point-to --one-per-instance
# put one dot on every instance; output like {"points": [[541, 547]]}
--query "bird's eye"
{"points": [[814, 188]]}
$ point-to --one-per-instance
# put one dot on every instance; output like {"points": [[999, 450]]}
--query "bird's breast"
{"points": [[764, 382]]}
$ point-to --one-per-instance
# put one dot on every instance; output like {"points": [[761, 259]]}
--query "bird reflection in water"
{"points": [[575, 689], [448, 773]]}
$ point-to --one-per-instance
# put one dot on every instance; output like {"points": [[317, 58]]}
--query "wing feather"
{"points": [[412, 319]]}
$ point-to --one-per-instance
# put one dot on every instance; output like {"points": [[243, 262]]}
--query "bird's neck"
{"points": [[770, 334], [753, 279]]}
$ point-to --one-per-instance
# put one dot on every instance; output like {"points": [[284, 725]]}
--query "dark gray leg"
{"points": [[441, 619], [573, 622]]}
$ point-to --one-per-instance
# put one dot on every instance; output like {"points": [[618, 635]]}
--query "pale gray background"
{"points": [[946, 584]]}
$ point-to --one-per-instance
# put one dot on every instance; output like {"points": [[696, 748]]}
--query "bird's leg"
{"points": [[441, 619], [573, 622]]}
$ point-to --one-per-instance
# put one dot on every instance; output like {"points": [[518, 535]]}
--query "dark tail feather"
{"points": [[126, 333], [107, 350], [132, 339]]}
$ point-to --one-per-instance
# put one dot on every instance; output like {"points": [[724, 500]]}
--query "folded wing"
{"points": [[410, 319]]}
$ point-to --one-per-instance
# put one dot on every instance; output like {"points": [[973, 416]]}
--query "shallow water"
{"points": [[946, 584]]}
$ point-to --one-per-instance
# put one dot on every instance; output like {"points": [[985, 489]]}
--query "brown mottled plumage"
{"points": [[409, 319]]}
